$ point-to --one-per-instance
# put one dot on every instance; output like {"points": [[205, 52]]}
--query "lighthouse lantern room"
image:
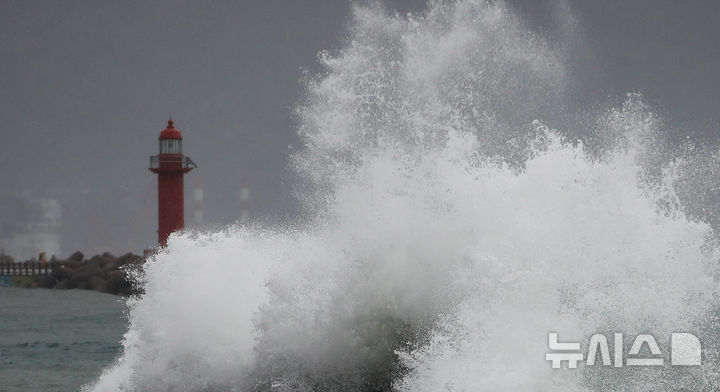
{"points": [[170, 165]]}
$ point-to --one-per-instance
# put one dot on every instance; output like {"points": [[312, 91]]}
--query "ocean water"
{"points": [[57, 340], [456, 210]]}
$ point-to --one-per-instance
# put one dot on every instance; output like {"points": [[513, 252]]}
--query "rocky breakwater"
{"points": [[105, 273]]}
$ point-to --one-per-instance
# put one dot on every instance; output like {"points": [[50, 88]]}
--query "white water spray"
{"points": [[447, 234]]}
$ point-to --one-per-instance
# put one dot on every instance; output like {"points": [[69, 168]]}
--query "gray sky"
{"points": [[86, 86]]}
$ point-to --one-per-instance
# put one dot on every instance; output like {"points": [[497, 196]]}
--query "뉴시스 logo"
{"points": [[685, 350]]}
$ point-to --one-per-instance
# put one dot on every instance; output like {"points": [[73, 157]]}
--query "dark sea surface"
{"points": [[57, 340]]}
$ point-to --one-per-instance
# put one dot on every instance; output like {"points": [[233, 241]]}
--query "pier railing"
{"points": [[27, 269]]}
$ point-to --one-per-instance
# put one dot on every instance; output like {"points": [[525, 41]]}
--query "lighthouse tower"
{"points": [[170, 165]]}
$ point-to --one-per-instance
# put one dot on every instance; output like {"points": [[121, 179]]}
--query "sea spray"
{"points": [[447, 231]]}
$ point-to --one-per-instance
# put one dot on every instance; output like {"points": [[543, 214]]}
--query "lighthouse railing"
{"points": [[179, 161]]}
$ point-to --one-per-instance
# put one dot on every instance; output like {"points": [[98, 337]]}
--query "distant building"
{"points": [[29, 226]]}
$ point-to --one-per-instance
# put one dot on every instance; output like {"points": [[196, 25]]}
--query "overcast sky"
{"points": [[86, 86]]}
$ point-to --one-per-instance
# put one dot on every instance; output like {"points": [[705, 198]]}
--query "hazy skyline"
{"points": [[87, 87]]}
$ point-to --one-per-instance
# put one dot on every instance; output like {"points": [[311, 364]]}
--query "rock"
{"points": [[123, 262], [82, 285], [77, 256], [129, 258], [113, 265], [65, 284], [87, 271], [46, 282], [73, 264], [105, 273], [103, 261], [98, 284], [61, 272], [117, 283]]}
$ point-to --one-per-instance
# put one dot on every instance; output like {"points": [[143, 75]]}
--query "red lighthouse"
{"points": [[170, 165]]}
